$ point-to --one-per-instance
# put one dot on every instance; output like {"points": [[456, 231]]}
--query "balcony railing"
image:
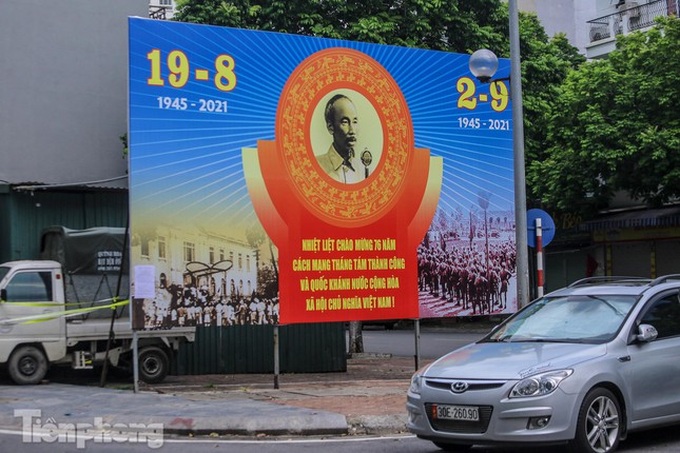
{"points": [[158, 12], [631, 17]]}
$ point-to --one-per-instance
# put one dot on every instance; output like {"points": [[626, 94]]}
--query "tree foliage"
{"points": [[454, 25], [616, 126], [545, 65]]}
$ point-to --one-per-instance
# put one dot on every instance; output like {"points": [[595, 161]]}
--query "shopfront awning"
{"points": [[640, 218]]}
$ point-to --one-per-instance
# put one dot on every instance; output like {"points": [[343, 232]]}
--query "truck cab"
{"points": [[32, 328]]}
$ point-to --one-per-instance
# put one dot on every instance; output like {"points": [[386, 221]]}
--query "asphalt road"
{"points": [[659, 441], [433, 343]]}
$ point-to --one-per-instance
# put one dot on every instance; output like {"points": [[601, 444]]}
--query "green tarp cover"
{"points": [[91, 251]]}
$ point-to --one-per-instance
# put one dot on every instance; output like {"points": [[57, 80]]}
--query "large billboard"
{"points": [[278, 178]]}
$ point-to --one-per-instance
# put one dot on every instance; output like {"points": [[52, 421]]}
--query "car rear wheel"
{"points": [[452, 447], [598, 427]]}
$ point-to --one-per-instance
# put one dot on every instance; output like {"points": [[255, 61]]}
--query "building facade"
{"points": [[64, 109], [564, 16], [162, 9], [593, 25], [622, 17], [628, 238]]}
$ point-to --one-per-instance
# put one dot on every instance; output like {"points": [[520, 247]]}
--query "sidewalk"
{"points": [[368, 399]]}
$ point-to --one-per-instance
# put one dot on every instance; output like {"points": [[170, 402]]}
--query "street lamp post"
{"points": [[483, 65]]}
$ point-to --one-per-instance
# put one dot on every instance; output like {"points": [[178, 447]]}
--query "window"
{"points": [[3, 272], [664, 315], [221, 254], [145, 247], [30, 287], [240, 261], [248, 263], [189, 251], [162, 254], [211, 255]]}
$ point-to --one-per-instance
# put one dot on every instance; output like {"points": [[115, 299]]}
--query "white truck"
{"points": [[40, 326]]}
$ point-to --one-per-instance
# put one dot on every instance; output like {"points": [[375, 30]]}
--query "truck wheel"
{"points": [[27, 365], [153, 364]]}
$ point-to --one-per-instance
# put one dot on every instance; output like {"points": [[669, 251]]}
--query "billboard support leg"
{"points": [[416, 324], [135, 361], [276, 356]]}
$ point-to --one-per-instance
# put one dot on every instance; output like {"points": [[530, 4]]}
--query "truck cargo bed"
{"points": [[98, 329]]}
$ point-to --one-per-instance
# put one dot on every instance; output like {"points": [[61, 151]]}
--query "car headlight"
{"points": [[415, 384], [539, 384]]}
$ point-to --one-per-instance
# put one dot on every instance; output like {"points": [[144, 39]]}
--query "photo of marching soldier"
{"points": [[467, 263]]}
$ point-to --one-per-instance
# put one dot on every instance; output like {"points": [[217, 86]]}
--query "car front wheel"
{"points": [[27, 365], [598, 427]]}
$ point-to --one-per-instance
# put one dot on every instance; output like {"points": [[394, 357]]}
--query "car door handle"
{"points": [[625, 358]]}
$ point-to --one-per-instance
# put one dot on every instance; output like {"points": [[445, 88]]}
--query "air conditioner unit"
{"points": [[598, 32], [632, 9]]}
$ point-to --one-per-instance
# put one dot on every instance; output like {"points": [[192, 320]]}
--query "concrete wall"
{"points": [[63, 96], [565, 16]]}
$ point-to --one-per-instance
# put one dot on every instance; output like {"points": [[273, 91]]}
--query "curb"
{"points": [[376, 424], [63, 406]]}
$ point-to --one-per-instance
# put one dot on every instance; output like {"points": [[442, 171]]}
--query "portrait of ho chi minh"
{"points": [[342, 161]]}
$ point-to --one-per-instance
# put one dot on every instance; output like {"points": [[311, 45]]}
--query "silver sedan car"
{"points": [[582, 366]]}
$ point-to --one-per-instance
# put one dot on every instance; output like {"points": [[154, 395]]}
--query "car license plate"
{"points": [[461, 413]]}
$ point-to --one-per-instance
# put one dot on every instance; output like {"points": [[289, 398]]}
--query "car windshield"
{"points": [[567, 319], [3, 272]]}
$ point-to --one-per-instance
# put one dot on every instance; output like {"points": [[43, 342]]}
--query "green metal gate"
{"points": [[303, 348]]}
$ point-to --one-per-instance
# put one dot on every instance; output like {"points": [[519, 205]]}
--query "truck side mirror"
{"points": [[3, 295]]}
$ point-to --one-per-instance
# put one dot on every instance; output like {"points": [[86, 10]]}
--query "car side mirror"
{"points": [[3, 295], [646, 333]]}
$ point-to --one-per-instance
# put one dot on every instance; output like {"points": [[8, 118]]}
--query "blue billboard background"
{"points": [[185, 163]]}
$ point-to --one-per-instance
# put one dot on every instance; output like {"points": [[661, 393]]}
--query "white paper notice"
{"points": [[145, 287]]}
